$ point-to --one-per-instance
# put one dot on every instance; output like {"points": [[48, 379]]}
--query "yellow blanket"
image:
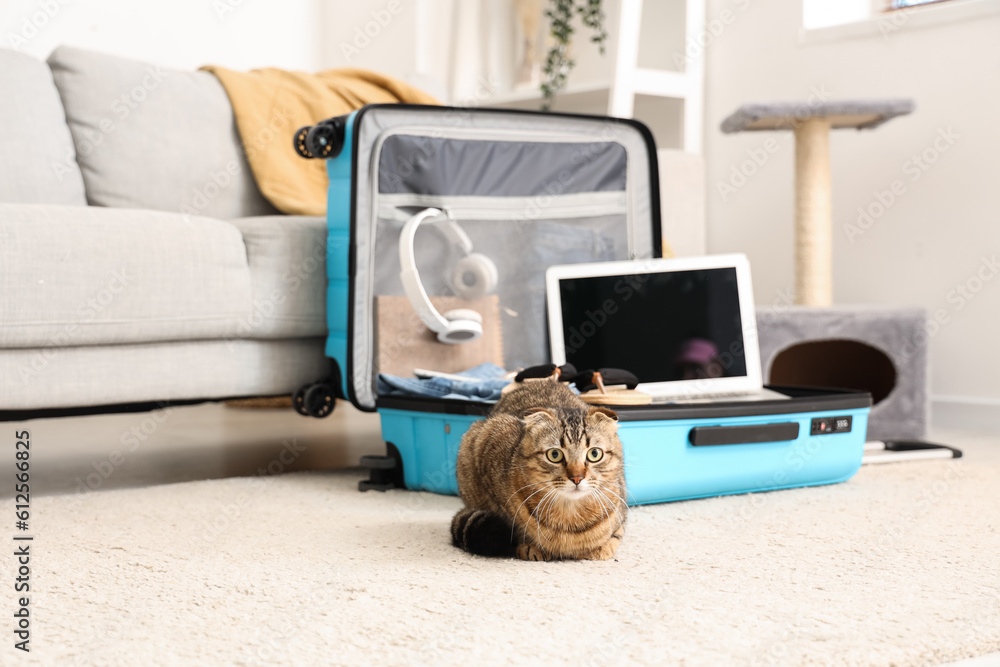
{"points": [[271, 104]]}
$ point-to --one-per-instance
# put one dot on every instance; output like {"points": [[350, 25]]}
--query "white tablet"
{"points": [[686, 327]]}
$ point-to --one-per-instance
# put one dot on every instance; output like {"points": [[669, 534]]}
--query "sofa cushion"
{"points": [[149, 137], [39, 164], [287, 257], [78, 275], [43, 378]]}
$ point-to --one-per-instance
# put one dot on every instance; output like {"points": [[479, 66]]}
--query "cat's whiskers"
{"points": [[608, 487], [549, 510], [597, 496], [538, 525], [547, 499], [617, 514], [606, 504], [521, 489], [555, 499], [603, 492], [524, 501]]}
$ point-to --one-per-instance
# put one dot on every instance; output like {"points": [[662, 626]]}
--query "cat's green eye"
{"points": [[595, 454], [555, 455]]}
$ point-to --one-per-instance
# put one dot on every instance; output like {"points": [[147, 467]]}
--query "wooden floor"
{"points": [[74, 454]]}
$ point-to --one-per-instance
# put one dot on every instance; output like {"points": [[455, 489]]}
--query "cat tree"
{"points": [[811, 122], [882, 350]]}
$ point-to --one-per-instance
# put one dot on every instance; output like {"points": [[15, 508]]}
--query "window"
{"points": [[822, 13], [903, 4], [831, 20], [826, 13]]}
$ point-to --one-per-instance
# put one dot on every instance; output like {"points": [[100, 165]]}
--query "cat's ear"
{"points": [[537, 413], [598, 411]]}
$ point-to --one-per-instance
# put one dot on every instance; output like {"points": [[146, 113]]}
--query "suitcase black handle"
{"points": [[743, 435]]}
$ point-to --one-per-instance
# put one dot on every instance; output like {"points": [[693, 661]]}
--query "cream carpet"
{"points": [[899, 566]]}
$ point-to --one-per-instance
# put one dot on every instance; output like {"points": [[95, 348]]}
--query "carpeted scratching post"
{"points": [[811, 123]]}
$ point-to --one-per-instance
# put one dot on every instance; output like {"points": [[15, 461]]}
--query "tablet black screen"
{"points": [[678, 325]]}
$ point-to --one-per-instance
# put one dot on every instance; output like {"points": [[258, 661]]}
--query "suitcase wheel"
{"points": [[384, 472], [300, 142], [314, 400], [378, 462], [325, 139], [299, 400], [319, 400]]}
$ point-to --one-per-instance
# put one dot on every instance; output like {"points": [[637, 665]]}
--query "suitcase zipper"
{"points": [[512, 209]]}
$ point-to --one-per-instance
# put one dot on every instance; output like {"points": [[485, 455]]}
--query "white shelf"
{"points": [[674, 85], [669, 101], [663, 83], [533, 95]]}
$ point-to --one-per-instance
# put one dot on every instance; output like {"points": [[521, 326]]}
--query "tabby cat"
{"points": [[542, 478]]}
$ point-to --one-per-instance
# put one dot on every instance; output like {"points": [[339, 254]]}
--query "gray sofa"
{"points": [[138, 260]]}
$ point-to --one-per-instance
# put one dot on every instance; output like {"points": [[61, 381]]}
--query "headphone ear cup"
{"points": [[463, 314], [464, 325], [474, 276]]}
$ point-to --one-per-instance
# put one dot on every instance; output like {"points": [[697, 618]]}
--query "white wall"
{"points": [[240, 34], [934, 236], [372, 34]]}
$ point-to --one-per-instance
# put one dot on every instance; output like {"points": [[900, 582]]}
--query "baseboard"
{"points": [[991, 660], [966, 413]]}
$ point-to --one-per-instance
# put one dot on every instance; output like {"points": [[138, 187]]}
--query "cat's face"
{"points": [[577, 452]]}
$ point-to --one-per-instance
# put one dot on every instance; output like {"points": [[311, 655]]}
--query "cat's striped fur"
{"points": [[519, 501]]}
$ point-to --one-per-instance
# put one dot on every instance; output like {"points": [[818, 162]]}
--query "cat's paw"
{"points": [[531, 552], [607, 550]]}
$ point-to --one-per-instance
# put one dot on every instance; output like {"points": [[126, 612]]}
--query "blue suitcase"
{"points": [[533, 190]]}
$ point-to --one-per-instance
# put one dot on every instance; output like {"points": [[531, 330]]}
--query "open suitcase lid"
{"points": [[526, 189]]}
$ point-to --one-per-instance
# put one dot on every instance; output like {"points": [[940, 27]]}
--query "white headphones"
{"points": [[475, 275]]}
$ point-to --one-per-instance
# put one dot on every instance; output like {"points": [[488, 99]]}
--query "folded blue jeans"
{"points": [[485, 383]]}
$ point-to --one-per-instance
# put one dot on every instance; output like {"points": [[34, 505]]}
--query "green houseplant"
{"points": [[558, 64]]}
